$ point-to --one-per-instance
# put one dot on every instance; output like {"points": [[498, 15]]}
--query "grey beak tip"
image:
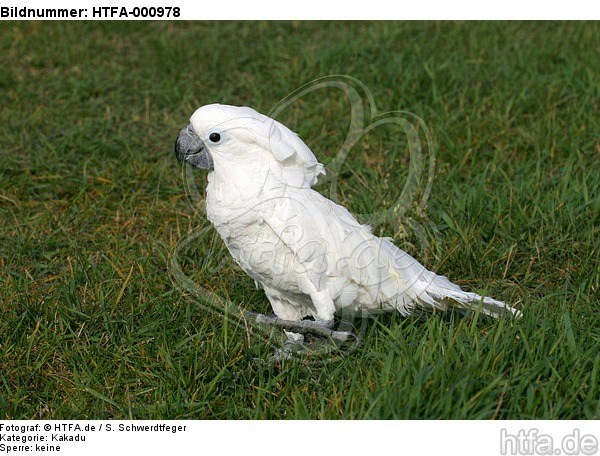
{"points": [[190, 149]]}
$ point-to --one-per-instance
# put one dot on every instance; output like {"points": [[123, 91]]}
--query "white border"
{"points": [[333, 438], [346, 10]]}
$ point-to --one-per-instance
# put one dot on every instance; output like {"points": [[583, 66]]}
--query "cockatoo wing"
{"points": [[323, 252]]}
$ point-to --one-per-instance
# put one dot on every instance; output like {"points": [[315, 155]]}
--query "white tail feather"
{"points": [[453, 296]]}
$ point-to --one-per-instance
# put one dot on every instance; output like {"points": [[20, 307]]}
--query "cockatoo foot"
{"points": [[298, 331], [303, 327]]}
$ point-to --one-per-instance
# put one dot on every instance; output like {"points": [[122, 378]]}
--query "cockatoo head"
{"points": [[220, 137]]}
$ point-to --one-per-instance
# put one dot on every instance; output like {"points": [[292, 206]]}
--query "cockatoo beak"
{"points": [[190, 149]]}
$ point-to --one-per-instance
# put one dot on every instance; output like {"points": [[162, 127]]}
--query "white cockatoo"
{"points": [[309, 254]]}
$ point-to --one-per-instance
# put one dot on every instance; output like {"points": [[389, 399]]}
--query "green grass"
{"points": [[94, 322]]}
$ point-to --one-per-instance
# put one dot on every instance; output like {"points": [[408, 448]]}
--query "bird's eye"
{"points": [[214, 138]]}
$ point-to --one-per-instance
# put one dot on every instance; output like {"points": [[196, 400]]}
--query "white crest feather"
{"points": [[298, 164]]}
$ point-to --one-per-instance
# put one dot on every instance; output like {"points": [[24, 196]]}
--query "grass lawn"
{"points": [[98, 317]]}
